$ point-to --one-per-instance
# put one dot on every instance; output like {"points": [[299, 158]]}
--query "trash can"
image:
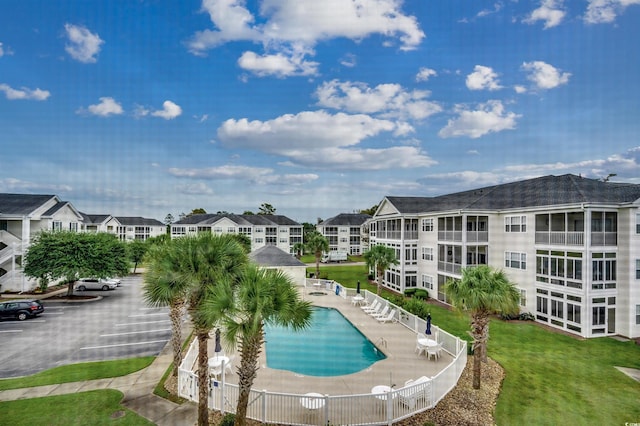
{"points": [[337, 290]]}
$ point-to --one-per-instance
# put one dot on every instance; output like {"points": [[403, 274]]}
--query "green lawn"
{"points": [[78, 372], [551, 378], [99, 407]]}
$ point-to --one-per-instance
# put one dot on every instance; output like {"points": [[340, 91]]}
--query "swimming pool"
{"points": [[331, 346]]}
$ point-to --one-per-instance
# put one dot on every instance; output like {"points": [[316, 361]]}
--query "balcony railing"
{"points": [[452, 268], [560, 238], [477, 236], [604, 238], [450, 235]]}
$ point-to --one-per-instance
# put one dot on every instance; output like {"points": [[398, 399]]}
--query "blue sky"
{"points": [[316, 107]]}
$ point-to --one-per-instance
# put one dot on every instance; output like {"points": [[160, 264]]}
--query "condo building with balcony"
{"points": [[262, 230], [571, 245], [346, 233]]}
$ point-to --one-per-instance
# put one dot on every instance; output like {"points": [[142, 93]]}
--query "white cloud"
{"points": [[169, 111], [550, 11], [317, 139], [107, 106], [18, 185], [425, 73], [199, 188], [305, 21], [490, 117], [24, 93], [486, 12], [545, 76], [83, 45], [1, 51], [348, 60], [278, 65], [606, 11], [256, 175], [483, 78], [465, 178], [519, 89], [388, 100]]}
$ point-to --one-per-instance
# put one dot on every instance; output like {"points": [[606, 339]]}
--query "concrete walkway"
{"points": [[137, 388]]}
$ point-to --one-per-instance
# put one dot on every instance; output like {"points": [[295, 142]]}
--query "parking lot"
{"points": [[120, 325]]}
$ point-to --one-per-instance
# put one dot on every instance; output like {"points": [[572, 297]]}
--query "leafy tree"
{"points": [[248, 212], [266, 208], [222, 212], [370, 211], [380, 258], [205, 260], [262, 296], [71, 256], [308, 228], [199, 210], [317, 244], [136, 250], [482, 291], [158, 239], [168, 220], [164, 286]]}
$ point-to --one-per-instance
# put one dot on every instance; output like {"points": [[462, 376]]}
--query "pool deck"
{"points": [[397, 342]]}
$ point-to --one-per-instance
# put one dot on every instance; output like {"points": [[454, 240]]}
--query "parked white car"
{"points": [[95, 284]]}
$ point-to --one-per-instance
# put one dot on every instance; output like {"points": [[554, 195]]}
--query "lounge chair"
{"points": [[414, 391], [380, 313], [390, 317], [372, 307], [376, 311]]}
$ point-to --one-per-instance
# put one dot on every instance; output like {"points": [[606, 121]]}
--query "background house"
{"points": [[271, 257], [570, 244], [346, 232], [262, 230]]}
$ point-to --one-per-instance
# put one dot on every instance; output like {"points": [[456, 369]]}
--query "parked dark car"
{"points": [[20, 309]]}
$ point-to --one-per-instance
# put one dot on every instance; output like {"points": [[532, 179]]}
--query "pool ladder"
{"points": [[382, 342]]}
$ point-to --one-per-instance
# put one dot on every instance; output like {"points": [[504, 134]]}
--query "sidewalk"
{"points": [[137, 389]]}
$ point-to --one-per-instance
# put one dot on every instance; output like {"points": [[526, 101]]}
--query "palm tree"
{"points": [[380, 258], [482, 291], [163, 287], [262, 296], [206, 260], [317, 244], [298, 249]]}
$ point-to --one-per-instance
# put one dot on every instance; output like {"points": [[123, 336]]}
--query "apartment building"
{"points": [[346, 232], [262, 230], [570, 244]]}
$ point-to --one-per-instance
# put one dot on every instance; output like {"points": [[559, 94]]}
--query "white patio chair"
{"points": [[228, 366], [372, 307], [389, 317], [380, 313], [434, 351], [420, 349], [414, 391]]}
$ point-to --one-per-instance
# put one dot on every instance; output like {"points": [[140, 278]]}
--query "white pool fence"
{"points": [[364, 409]]}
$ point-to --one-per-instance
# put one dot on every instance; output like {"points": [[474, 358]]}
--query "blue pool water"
{"points": [[331, 346]]}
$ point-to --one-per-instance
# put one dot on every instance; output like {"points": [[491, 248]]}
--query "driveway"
{"points": [[120, 325]]}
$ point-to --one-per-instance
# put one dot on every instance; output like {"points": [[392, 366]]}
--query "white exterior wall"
{"points": [[629, 286]]}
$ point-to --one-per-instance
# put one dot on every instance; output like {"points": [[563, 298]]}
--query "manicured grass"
{"points": [[347, 275], [87, 408], [78, 372]]}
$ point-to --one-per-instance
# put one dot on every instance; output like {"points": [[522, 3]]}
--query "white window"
{"points": [[73, 227], [515, 260], [638, 223], [427, 281], [637, 269], [427, 225], [231, 230], [427, 253], [515, 224], [56, 226], [637, 314], [523, 297]]}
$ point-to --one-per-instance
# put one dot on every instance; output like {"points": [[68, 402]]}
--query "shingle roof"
{"points": [[56, 207], [138, 221], [94, 218], [346, 219], [273, 256], [240, 219], [22, 204], [543, 191]]}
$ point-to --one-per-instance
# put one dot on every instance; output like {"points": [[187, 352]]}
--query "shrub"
{"points": [[229, 419], [422, 293], [409, 292]]}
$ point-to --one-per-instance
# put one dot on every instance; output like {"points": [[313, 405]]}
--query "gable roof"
{"points": [[94, 219], [273, 256], [543, 191], [138, 221], [346, 219], [22, 204]]}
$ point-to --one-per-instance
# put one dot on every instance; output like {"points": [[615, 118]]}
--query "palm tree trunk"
{"points": [[318, 265], [175, 314], [250, 350], [378, 283], [480, 329], [203, 377]]}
